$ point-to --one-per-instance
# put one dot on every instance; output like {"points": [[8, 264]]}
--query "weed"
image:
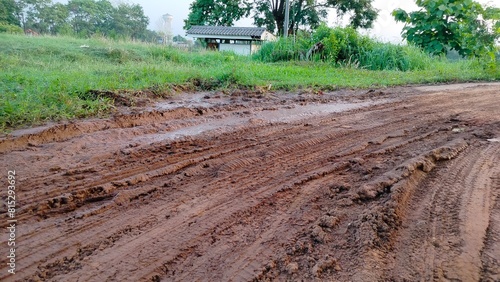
{"points": [[58, 78], [345, 47]]}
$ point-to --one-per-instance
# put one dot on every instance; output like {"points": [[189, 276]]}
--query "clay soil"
{"points": [[398, 184]]}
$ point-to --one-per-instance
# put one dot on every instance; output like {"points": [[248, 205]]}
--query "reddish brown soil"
{"points": [[395, 185]]}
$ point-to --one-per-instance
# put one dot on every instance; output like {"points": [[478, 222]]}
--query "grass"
{"points": [[53, 78]]}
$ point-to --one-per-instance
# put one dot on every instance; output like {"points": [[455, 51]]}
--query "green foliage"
{"points": [[345, 47], [306, 13], [362, 13], [386, 56], [52, 19], [455, 24], [8, 11], [53, 78], [180, 39], [216, 12], [128, 21], [284, 49], [82, 18], [347, 44], [31, 12], [309, 14], [9, 28]]}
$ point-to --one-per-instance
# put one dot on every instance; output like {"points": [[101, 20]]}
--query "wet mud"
{"points": [[396, 184]]}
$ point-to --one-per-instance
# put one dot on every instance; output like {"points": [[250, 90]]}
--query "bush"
{"points": [[285, 49], [348, 44], [345, 47], [8, 28], [386, 56]]}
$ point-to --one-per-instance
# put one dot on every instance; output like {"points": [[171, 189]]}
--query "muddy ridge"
{"points": [[397, 184]]}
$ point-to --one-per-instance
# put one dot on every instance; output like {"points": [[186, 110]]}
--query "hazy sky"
{"points": [[385, 28]]}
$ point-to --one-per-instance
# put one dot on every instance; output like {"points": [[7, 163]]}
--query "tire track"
{"points": [[489, 254], [271, 201], [451, 220]]}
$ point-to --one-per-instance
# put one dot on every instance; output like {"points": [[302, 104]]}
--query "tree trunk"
{"points": [[280, 24], [279, 15]]}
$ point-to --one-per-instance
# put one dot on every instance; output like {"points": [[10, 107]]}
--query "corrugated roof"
{"points": [[226, 30]]}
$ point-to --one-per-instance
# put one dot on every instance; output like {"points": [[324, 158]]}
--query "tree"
{"points": [[271, 13], [49, 19], [310, 13], [89, 17], [217, 12], [150, 36], [29, 11], [305, 15], [462, 25], [8, 12], [179, 39], [82, 18], [129, 21]]}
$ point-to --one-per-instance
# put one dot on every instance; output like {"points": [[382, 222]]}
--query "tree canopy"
{"points": [[82, 18], [217, 12], [310, 13], [8, 12], [271, 13], [462, 25]]}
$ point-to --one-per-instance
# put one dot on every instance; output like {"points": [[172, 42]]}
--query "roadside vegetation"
{"points": [[345, 47], [55, 78], [82, 59]]}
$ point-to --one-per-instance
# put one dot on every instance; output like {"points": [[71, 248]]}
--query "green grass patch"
{"points": [[53, 78]]}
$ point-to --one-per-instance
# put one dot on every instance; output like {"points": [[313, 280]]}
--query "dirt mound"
{"points": [[399, 185]]}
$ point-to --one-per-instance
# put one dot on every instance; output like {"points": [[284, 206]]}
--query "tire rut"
{"points": [[453, 208], [375, 193]]}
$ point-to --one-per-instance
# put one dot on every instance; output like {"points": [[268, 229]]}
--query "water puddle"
{"points": [[192, 100], [235, 120], [298, 112]]}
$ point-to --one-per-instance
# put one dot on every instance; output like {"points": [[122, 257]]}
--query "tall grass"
{"points": [[284, 49], [386, 56], [52, 78], [345, 47]]}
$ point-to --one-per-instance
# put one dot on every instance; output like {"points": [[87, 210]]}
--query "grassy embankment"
{"points": [[47, 78]]}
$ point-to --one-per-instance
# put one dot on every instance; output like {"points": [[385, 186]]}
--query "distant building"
{"points": [[167, 28], [240, 40]]}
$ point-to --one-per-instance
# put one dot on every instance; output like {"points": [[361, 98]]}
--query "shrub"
{"points": [[342, 44], [284, 49], [350, 44], [8, 28], [345, 47], [386, 56]]}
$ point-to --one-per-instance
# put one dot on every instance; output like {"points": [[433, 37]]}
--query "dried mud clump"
{"points": [[328, 221], [328, 265], [62, 266], [378, 225], [425, 163], [318, 235], [292, 268]]}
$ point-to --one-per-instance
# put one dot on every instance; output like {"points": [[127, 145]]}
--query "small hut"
{"points": [[240, 40]]}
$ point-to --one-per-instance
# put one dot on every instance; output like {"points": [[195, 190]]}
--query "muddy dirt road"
{"points": [[397, 184]]}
